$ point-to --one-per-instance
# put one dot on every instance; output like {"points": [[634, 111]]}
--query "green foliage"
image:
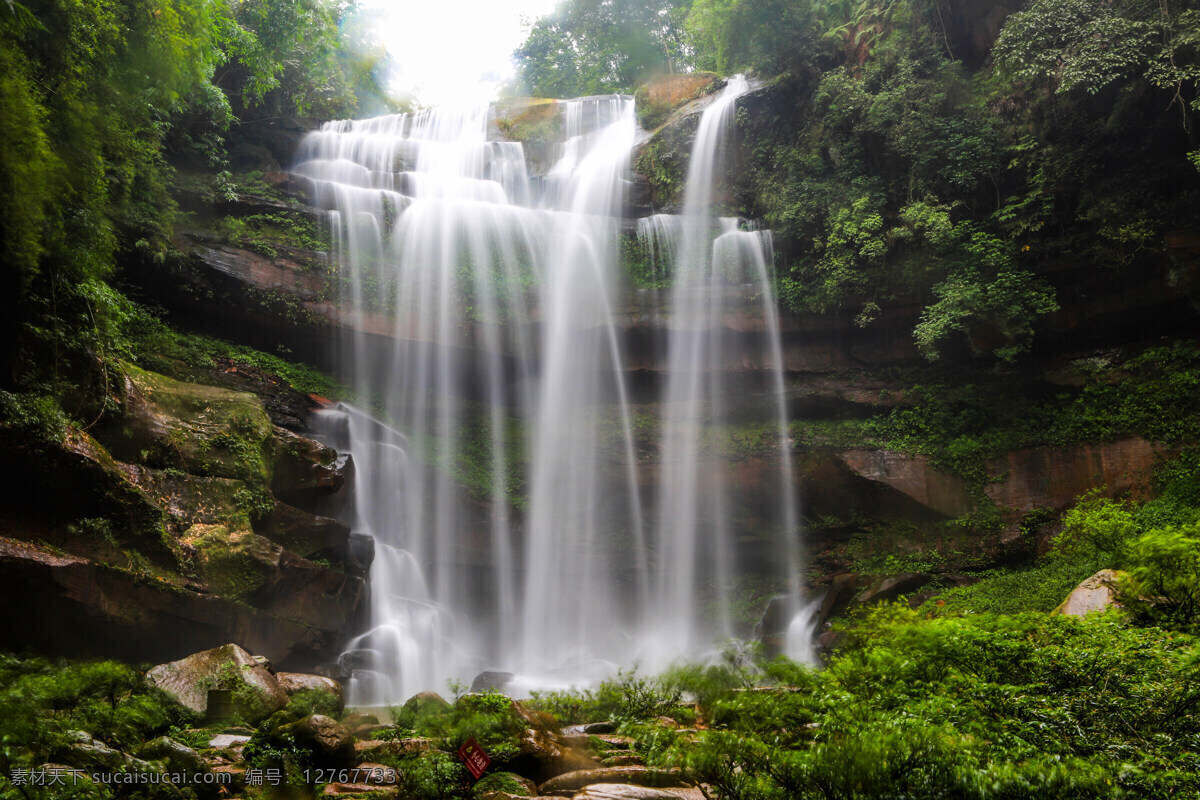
{"points": [[1101, 525], [592, 47], [628, 697], [960, 424], [493, 719], [1164, 576], [95, 95], [436, 776], [31, 420], [41, 703], [974, 707], [266, 234], [149, 342], [985, 296], [313, 701], [1083, 44], [768, 36], [1040, 587]]}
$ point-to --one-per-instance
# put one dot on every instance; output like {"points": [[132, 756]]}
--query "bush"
{"points": [[313, 701], [42, 703], [971, 707], [626, 698], [1164, 577]]}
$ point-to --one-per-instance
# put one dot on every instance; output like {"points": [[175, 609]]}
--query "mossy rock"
{"points": [[254, 691], [663, 94], [193, 499], [421, 705], [506, 782], [664, 160], [203, 430], [110, 518], [234, 563], [535, 122]]}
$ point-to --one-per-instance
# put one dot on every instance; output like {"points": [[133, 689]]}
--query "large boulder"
{"points": [[255, 691], [1097, 593], [204, 430], [308, 534], [304, 470], [420, 705], [293, 682], [491, 681], [330, 743]]}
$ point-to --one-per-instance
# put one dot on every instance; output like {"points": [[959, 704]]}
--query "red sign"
{"points": [[473, 756]]}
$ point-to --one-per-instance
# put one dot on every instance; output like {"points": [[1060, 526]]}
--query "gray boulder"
{"points": [[1097, 593], [255, 692]]}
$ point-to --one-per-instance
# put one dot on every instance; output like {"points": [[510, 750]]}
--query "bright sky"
{"points": [[454, 51]]}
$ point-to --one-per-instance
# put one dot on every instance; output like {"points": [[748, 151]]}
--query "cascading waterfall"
{"points": [[719, 271], [484, 309]]}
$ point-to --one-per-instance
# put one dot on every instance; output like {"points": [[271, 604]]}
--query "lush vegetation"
{"points": [[910, 157], [973, 707], [593, 47], [99, 101]]}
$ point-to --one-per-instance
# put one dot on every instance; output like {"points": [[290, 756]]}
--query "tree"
{"points": [[601, 46], [1089, 44]]}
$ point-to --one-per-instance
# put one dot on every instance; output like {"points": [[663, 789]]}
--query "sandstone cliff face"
{"points": [[186, 521]]}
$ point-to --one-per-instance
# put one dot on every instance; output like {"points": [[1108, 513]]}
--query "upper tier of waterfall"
{"points": [[515, 521]]}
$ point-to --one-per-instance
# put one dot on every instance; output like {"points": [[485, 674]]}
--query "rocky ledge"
{"points": [[191, 519]]}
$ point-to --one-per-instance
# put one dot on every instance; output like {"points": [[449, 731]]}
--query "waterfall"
{"points": [[718, 272], [494, 449]]}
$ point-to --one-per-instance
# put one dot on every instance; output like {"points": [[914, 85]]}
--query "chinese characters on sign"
{"points": [[473, 756]]}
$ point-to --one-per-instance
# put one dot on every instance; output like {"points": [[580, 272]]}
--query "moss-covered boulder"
{"points": [[330, 743], [202, 430], [255, 692], [306, 534], [421, 705], [508, 783], [296, 682], [1098, 593], [234, 563], [535, 122]]}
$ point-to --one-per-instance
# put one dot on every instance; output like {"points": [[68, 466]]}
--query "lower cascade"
{"points": [[520, 519]]}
